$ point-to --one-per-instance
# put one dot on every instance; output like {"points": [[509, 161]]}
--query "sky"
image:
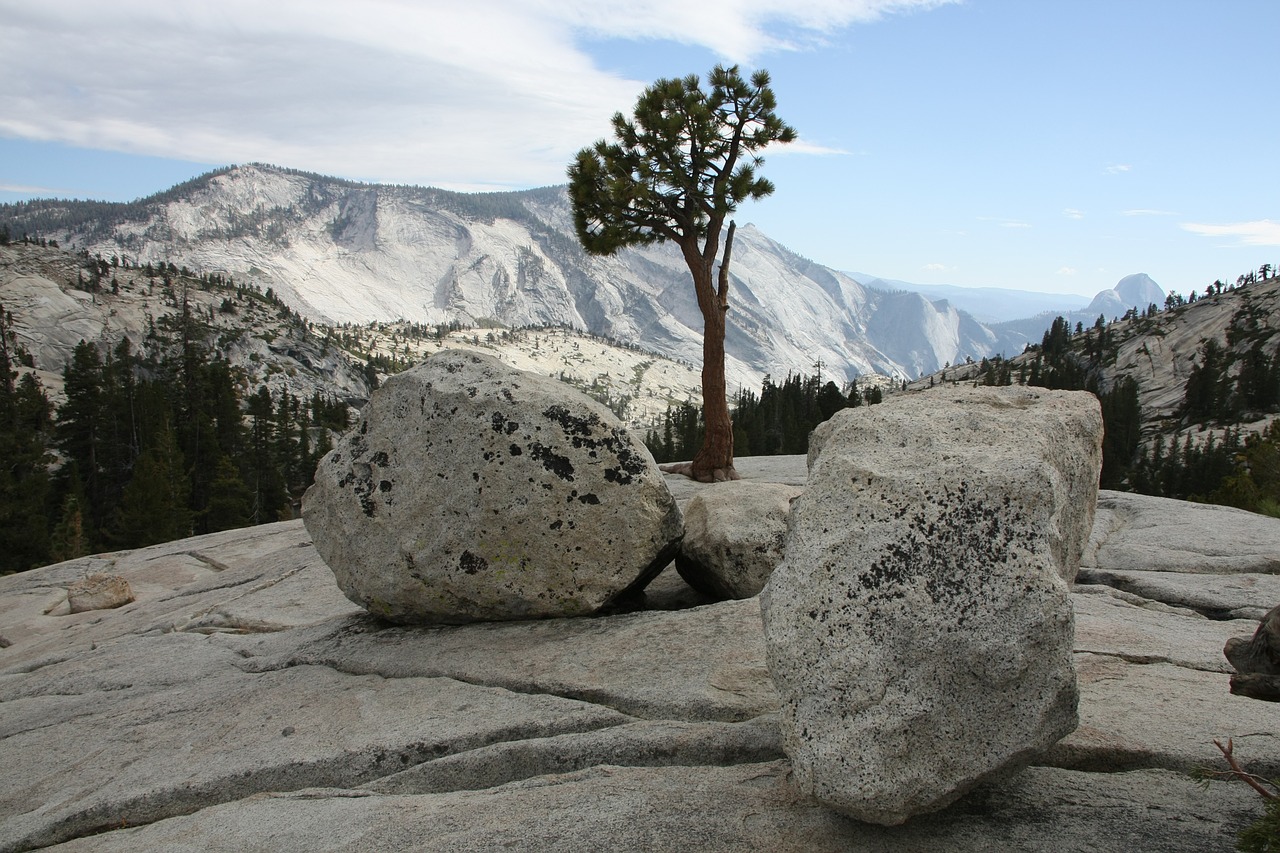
{"points": [[1045, 145]]}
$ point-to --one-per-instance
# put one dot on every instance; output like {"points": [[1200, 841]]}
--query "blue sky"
{"points": [[1050, 145]]}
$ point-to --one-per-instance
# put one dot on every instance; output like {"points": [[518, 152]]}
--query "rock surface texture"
{"points": [[242, 703], [470, 491], [919, 629], [733, 537]]}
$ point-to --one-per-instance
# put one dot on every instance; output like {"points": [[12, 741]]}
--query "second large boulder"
{"points": [[472, 491], [919, 628]]}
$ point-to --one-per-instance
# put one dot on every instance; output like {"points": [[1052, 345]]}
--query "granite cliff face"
{"points": [[342, 252]]}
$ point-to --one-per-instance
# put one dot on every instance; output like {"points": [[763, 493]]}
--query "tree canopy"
{"points": [[676, 171]]}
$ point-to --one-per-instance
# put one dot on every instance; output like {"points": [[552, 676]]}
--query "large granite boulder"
{"points": [[733, 537], [241, 702], [919, 629], [472, 491]]}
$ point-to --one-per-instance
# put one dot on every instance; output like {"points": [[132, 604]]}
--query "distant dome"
{"points": [[1139, 291], [1132, 291]]}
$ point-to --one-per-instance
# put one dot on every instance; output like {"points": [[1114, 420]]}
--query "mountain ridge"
{"points": [[341, 251]]}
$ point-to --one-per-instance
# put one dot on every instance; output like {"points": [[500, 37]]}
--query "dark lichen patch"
{"points": [[365, 496], [559, 465], [589, 498], [471, 563], [384, 486], [502, 425], [515, 450], [380, 458], [571, 423], [945, 544]]}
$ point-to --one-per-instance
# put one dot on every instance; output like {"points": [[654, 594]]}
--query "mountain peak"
{"points": [[1133, 291]]}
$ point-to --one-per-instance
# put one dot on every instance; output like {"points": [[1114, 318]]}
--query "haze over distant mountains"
{"points": [[345, 252], [988, 304]]}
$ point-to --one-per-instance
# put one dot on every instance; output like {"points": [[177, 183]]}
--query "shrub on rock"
{"points": [[472, 491], [919, 629]]}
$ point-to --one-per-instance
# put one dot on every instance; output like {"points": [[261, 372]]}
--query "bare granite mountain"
{"points": [[338, 251]]}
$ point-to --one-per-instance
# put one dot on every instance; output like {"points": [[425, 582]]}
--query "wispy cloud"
{"points": [[937, 267], [1117, 168], [489, 93], [1067, 271], [47, 192], [1143, 211], [1261, 232], [1005, 222], [802, 147], [735, 30], [1072, 213]]}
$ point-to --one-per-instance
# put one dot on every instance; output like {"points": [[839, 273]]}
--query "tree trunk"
{"points": [[714, 461]]}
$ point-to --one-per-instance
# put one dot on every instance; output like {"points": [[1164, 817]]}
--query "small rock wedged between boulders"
{"points": [[1257, 660], [98, 592], [472, 491], [919, 629], [733, 537]]}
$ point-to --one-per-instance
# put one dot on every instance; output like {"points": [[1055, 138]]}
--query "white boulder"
{"points": [[919, 629], [472, 491], [733, 537]]}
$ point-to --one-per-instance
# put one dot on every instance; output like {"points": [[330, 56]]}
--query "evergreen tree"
{"points": [[677, 172], [82, 422], [156, 505], [25, 421], [230, 500], [263, 477], [69, 539], [1122, 418], [1204, 393]]}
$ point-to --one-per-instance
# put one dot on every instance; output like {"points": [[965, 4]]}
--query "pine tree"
{"points": [[82, 421], [69, 539], [230, 501], [677, 172], [25, 423], [156, 506]]}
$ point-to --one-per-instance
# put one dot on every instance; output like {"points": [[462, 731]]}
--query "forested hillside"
{"points": [[144, 403], [1190, 390], [153, 439]]}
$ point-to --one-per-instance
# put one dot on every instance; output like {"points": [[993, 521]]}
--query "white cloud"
{"points": [[802, 147], [737, 31], [46, 192], [1261, 232], [1067, 271], [483, 94], [1072, 213], [1004, 222], [936, 267], [1117, 168]]}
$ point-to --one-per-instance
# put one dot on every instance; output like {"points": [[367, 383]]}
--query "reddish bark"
{"points": [[714, 460]]}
